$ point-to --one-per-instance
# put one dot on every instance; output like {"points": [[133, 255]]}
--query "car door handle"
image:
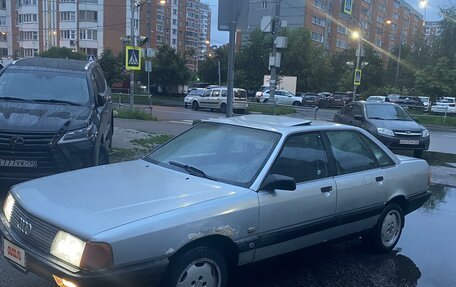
{"points": [[379, 178], [326, 189]]}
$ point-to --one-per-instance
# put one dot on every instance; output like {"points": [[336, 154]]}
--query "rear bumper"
{"points": [[45, 266], [416, 201]]}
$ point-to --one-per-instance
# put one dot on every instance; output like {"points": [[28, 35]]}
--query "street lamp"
{"points": [[356, 35], [162, 2], [389, 22], [423, 5]]}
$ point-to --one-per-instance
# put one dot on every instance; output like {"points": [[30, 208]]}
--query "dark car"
{"points": [[339, 99], [312, 99], [388, 122], [410, 102], [55, 115]]}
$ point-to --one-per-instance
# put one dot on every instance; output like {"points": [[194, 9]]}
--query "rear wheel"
{"points": [[195, 105], [386, 233], [223, 108], [296, 103], [200, 266]]}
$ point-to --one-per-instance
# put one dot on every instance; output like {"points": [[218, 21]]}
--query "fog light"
{"points": [[63, 283]]}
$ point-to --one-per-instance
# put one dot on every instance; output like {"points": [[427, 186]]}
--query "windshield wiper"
{"points": [[56, 101], [376, 118], [191, 169], [14, 99]]}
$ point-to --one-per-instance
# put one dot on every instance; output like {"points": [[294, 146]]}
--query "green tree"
{"points": [[437, 80], [111, 66], [64, 53], [448, 37], [208, 68]]}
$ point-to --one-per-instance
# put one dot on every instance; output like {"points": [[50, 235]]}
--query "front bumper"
{"points": [[395, 142], [45, 266]]}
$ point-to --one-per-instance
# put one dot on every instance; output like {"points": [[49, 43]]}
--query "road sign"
{"points": [[233, 10], [348, 6], [132, 58], [357, 79], [148, 66], [91, 58]]}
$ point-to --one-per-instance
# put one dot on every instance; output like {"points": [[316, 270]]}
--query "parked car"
{"points": [[313, 99], [260, 91], [380, 99], [339, 99], [444, 105], [282, 97], [225, 193], [426, 103], [410, 102], [389, 123], [393, 98], [57, 116], [188, 100], [215, 99]]}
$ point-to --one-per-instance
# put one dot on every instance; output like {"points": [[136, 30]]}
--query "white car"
{"points": [[426, 103], [215, 98], [194, 93], [445, 105], [282, 97], [380, 99]]}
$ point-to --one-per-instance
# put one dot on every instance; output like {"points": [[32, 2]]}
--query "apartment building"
{"points": [[382, 23], [182, 24], [6, 35], [432, 29]]}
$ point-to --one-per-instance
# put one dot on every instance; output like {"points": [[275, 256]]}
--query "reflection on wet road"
{"points": [[424, 257]]}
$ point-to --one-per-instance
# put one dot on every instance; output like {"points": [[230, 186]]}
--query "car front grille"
{"points": [[29, 147], [410, 134], [31, 229]]}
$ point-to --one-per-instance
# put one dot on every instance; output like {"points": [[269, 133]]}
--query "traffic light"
{"points": [[141, 40]]}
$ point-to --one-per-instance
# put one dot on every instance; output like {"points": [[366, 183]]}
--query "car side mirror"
{"points": [[358, 117], [277, 181], [101, 99]]}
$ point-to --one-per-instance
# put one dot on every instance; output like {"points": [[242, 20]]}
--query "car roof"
{"points": [[54, 63], [222, 88], [281, 124]]}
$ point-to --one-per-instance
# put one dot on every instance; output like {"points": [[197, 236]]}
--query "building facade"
{"points": [[204, 31], [382, 23], [432, 29]]}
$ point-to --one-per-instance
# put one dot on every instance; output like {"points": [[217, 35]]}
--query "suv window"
{"points": [[357, 110], [224, 93], [99, 77], [207, 94], [215, 93], [303, 157], [350, 152]]}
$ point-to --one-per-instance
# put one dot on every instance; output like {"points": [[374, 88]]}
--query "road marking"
{"points": [[185, 122]]}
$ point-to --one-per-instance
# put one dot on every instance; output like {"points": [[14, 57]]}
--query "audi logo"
{"points": [[24, 226], [17, 141]]}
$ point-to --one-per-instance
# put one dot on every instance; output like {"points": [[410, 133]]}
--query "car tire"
{"points": [[387, 232], [418, 153], [265, 101], [200, 266], [223, 108], [103, 156], [296, 103], [195, 106], [186, 105]]}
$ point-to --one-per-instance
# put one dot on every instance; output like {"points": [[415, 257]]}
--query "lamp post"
{"points": [[356, 36], [423, 5]]}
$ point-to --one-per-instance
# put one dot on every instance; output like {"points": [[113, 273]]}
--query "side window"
{"points": [[99, 77], [94, 85], [348, 110], [224, 93], [350, 152], [215, 94], [382, 158], [357, 110], [207, 94], [303, 157]]}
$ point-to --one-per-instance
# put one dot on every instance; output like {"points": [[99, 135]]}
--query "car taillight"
{"points": [[96, 256]]}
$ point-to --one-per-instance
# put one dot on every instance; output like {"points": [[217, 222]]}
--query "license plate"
{"points": [[410, 142], [18, 163], [14, 253]]}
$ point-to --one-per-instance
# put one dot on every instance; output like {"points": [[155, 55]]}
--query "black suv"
{"points": [[55, 115]]}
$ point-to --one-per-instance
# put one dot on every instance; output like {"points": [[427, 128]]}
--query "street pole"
{"points": [[275, 32], [219, 74], [398, 61], [149, 43], [230, 96], [132, 43], [358, 56]]}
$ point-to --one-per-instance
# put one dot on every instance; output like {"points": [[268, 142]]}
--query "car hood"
{"points": [[397, 125], [89, 201], [26, 117]]}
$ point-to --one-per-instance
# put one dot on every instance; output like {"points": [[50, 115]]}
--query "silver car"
{"points": [[227, 192]]}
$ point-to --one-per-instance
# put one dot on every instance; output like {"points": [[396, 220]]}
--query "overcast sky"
{"points": [[220, 38]]}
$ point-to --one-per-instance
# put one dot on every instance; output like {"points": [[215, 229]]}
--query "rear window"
{"points": [[44, 85]]}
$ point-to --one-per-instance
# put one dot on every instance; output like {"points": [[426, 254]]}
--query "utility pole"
{"points": [[358, 56], [398, 61], [230, 80], [219, 75], [275, 31], [149, 34], [132, 43]]}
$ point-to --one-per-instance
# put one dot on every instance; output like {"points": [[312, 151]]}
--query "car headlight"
{"points": [[386, 132], [88, 255], [425, 133], [8, 206], [80, 134], [68, 248]]}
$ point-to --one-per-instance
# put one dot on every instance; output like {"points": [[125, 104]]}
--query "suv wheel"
{"points": [[201, 266], [386, 233], [195, 105], [103, 156]]}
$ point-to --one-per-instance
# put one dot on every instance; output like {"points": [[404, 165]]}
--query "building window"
{"points": [[30, 52], [2, 20], [397, 4], [68, 34], [378, 43], [27, 18], [379, 31], [264, 4], [28, 35], [68, 16], [160, 28], [86, 15], [25, 2], [3, 37], [3, 4], [380, 19], [4, 52], [88, 34], [319, 4], [382, 8], [173, 41], [318, 21], [341, 44], [342, 30], [317, 37], [174, 31]]}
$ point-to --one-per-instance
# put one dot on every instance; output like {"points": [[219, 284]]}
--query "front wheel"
{"points": [[386, 233], [296, 103], [195, 105], [201, 266]]}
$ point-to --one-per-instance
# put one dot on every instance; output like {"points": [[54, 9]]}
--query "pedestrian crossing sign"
{"points": [[132, 58], [357, 79]]}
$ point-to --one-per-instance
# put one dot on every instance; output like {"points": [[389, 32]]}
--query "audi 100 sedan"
{"points": [[225, 193]]}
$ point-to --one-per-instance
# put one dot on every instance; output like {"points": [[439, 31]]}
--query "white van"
{"points": [[215, 98]]}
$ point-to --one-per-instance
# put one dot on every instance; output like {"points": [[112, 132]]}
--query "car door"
{"points": [[360, 180], [290, 220], [357, 118], [280, 98], [215, 99], [104, 106], [205, 99]]}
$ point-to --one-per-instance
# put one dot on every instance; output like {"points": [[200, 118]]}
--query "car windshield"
{"points": [[36, 85], [387, 112], [225, 153], [374, 99]]}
